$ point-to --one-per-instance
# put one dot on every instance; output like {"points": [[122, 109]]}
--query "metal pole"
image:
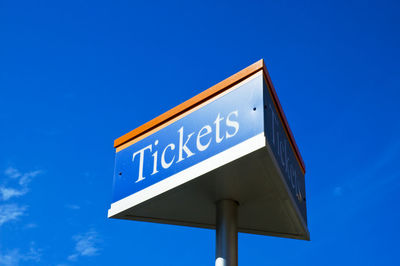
{"points": [[227, 237]]}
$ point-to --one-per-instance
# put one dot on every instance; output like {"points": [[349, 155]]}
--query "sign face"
{"points": [[191, 156], [200, 135]]}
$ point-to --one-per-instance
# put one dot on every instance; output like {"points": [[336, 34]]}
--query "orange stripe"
{"points": [[161, 126], [191, 103]]}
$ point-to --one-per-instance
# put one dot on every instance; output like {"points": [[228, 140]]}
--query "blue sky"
{"points": [[75, 75]]}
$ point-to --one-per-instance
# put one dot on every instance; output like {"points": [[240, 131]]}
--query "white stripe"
{"points": [[218, 160]]}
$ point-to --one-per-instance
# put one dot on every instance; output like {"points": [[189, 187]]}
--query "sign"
{"points": [[230, 142]]}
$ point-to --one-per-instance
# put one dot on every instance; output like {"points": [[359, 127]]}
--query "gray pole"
{"points": [[227, 237]]}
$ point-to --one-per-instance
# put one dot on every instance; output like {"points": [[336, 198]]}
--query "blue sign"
{"points": [[233, 143]]}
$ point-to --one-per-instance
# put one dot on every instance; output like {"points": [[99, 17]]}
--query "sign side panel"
{"points": [[283, 152]]}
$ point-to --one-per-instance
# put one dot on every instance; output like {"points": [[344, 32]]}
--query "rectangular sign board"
{"points": [[230, 142]]}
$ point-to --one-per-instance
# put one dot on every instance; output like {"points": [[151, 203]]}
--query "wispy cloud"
{"points": [[31, 225], [20, 182], [9, 212], [34, 254], [72, 206], [14, 257], [12, 172], [376, 174], [14, 185], [85, 245], [23, 178], [8, 192], [354, 193], [10, 258], [26, 178]]}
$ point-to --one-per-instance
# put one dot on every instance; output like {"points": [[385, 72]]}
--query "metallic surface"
{"points": [[226, 250]]}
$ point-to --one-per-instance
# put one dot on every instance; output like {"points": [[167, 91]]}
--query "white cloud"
{"points": [[12, 172], [31, 225], [16, 185], [14, 257], [73, 257], [8, 193], [33, 254], [19, 187], [27, 177], [24, 178], [10, 258], [85, 245], [72, 206], [9, 212]]}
